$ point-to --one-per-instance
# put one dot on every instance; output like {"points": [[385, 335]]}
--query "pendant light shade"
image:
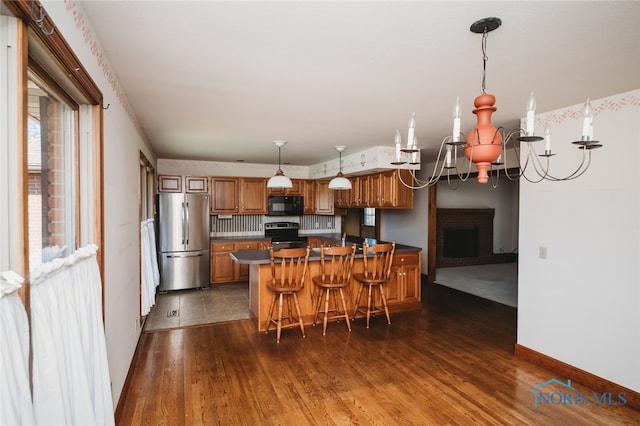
{"points": [[279, 180], [340, 182]]}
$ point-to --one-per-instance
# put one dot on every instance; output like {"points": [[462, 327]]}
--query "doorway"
{"points": [[362, 223]]}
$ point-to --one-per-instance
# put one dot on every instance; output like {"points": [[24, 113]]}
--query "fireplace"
{"points": [[465, 237]]}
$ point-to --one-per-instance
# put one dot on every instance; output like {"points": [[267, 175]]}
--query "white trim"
{"points": [[9, 146]]}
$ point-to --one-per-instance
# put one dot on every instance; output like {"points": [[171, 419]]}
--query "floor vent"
{"points": [[173, 313]]}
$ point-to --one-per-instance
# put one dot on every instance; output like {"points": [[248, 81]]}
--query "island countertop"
{"points": [[402, 291], [259, 257]]}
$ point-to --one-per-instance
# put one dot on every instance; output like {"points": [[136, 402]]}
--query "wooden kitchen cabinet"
{"points": [[253, 195], [196, 184], [297, 188], [405, 277], [169, 183], [224, 195], [309, 195], [222, 268], [242, 195], [324, 198]]}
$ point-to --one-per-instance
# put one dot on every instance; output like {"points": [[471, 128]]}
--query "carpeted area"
{"points": [[496, 282]]}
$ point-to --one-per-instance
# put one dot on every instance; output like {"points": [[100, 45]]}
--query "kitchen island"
{"points": [[402, 291]]}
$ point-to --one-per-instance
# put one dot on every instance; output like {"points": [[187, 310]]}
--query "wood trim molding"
{"points": [[595, 383], [432, 225], [58, 47]]}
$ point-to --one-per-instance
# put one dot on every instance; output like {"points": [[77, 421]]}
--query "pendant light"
{"points": [[340, 182], [279, 180]]}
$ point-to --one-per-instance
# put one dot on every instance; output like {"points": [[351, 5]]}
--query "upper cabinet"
{"points": [[224, 195], [378, 190], [324, 198], [253, 195], [296, 189], [196, 184], [238, 195], [309, 195], [189, 184]]}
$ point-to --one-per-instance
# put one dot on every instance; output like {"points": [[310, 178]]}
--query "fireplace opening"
{"points": [[463, 242]]}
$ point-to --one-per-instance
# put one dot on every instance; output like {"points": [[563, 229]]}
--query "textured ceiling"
{"points": [[220, 80]]}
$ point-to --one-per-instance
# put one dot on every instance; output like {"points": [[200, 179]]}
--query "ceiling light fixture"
{"points": [[340, 182], [486, 146], [279, 180]]}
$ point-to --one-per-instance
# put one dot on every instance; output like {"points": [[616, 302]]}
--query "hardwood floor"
{"points": [[451, 363]]}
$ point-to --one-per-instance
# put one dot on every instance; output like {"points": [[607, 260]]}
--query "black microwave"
{"points": [[285, 205]]}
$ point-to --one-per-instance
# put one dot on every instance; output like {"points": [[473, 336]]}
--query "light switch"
{"points": [[542, 252]]}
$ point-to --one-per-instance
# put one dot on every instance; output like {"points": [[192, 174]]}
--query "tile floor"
{"points": [[223, 302]]}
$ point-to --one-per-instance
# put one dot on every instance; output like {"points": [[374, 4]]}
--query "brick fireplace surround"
{"points": [[468, 219]]}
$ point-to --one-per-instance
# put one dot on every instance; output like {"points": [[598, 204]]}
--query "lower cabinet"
{"points": [[222, 268], [405, 277]]}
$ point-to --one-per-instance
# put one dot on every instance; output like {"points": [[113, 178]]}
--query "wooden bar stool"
{"points": [[377, 270], [335, 269], [287, 279]]}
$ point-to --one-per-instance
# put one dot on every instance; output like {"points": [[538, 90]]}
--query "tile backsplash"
{"points": [[246, 225]]}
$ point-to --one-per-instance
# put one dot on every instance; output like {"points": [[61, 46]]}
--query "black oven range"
{"points": [[284, 235]]}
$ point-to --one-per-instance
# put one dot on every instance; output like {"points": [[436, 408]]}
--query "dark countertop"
{"points": [[330, 236], [259, 257]]}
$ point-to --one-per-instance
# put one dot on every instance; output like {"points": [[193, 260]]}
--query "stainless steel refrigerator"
{"points": [[183, 242]]}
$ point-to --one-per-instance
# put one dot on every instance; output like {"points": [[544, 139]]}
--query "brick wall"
{"points": [[482, 219]]}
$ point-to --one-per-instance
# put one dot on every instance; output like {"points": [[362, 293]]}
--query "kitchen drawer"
{"points": [[247, 245], [400, 259], [228, 246]]}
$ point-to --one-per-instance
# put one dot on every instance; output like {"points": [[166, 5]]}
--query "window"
{"points": [[369, 217], [51, 159]]}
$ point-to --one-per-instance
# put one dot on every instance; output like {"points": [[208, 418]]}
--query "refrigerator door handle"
{"points": [[184, 223], [171, 256], [187, 224]]}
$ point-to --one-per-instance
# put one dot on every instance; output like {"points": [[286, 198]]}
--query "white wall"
{"points": [[122, 142], [581, 305]]}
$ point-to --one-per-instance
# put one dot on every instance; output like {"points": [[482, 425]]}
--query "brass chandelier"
{"points": [[486, 146]]}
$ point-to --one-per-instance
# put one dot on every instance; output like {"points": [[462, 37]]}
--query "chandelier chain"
{"points": [[485, 35]]}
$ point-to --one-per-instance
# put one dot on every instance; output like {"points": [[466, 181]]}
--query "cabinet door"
{"points": [[196, 184], [374, 196], [403, 195], [253, 195], [324, 197], [222, 267], [243, 270], [387, 185], [224, 195], [309, 194], [406, 269], [169, 183]]}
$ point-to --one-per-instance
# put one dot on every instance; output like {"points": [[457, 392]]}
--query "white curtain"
{"points": [[15, 395], [149, 266], [71, 384]]}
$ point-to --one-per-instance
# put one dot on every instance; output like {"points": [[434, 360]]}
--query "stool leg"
{"points": [[355, 310], [318, 300], [344, 306], [384, 303], [369, 301], [273, 303], [326, 312], [295, 299], [279, 328]]}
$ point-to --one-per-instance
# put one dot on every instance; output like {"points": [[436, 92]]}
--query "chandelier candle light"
{"points": [[486, 146]]}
